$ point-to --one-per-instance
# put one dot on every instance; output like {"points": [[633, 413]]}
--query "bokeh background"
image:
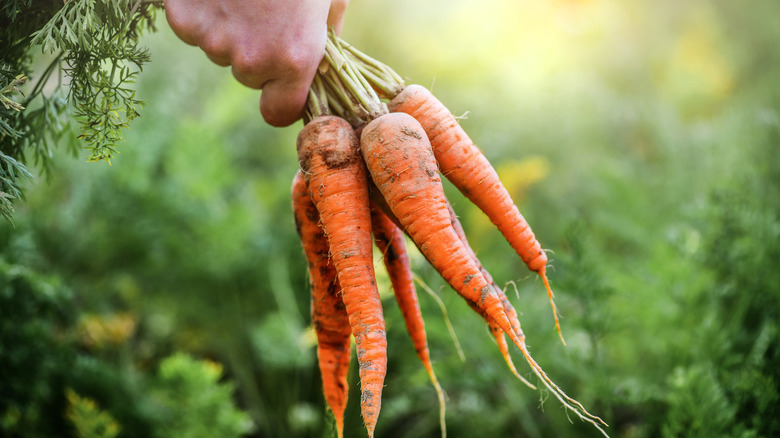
{"points": [[166, 295]]}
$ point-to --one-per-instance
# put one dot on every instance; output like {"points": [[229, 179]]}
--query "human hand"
{"points": [[273, 45]]}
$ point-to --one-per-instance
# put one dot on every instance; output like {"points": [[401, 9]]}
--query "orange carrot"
{"points": [[329, 317], [390, 241], [461, 161], [503, 348], [401, 164], [379, 202], [397, 152], [329, 156]]}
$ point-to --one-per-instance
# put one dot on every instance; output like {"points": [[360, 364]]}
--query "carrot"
{"points": [[329, 317], [390, 241], [468, 169], [568, 402], [401, 164], [407, 177], [503, 348], [329, 156]]}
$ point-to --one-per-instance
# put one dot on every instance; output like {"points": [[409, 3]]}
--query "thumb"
{"points": [[336, 14]]}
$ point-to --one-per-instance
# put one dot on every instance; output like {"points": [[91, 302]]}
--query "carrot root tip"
{"points": [[550, 294]]}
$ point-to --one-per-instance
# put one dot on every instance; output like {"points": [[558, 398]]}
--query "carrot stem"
{"points": [[379, 74], [346, 80], [317, 105]]}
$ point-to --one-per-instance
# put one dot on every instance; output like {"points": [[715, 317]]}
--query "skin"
{"points": [[273, 45]]}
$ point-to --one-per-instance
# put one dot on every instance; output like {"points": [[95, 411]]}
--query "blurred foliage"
{"points": [[190, 402], [638, 138], [34, 309], [87, 418], [46, 354]]}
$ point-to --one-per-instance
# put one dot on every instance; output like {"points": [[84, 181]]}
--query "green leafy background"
{"points": [[638, 138]]}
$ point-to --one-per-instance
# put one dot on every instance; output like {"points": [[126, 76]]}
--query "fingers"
{"points": [[336, 14], [216, 47], [275, 46], [222, 62], [286, 88], [284, 73], [193, 26], [186, 20], [282, 103]]}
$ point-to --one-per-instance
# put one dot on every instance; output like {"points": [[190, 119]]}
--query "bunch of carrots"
{"points": [[372, 152]]}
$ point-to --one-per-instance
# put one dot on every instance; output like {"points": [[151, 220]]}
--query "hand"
{"points": [[273, 45]]}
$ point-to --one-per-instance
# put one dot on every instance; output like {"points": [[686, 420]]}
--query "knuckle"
{"points": [[183, 26], [215, 44], [297, 61], [281, 107], [248, 62]]}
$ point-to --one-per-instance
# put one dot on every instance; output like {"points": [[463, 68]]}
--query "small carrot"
{"points": [[461, 161], [401, 164], [390, 241], [329, 156], [328, 315]]}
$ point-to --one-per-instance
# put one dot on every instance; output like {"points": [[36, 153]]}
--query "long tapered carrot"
{"points": [[461, 161], [401, 164], [498, 334], [568, 402], [379, 202], [508, 308], [390, 241], [328, 314], [329, 156]]}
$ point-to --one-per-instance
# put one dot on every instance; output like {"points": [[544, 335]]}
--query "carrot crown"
{"points": [[350, 84]]}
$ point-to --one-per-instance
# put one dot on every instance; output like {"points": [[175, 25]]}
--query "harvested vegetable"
{"points": [[336, 178], [397, 163], [328, 315], [391, 243], [461, 161]]}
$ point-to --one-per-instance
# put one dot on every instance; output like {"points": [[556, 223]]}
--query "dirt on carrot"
{"points": [[330, 161], [328, 314], [388, 183], [464, 164]]}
